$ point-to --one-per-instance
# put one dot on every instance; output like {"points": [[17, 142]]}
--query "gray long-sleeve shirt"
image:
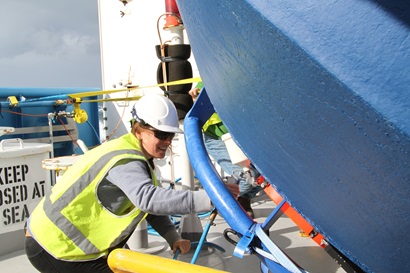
{"points": [[131, 182]]}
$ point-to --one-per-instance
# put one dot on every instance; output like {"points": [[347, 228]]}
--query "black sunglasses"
{"points": [[157, 133], [161, 134]]}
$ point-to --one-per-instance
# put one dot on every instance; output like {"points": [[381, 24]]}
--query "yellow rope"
{"points": [[102, 92]]}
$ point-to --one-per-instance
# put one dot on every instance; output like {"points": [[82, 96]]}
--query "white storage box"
{"points": [[23, 182]]}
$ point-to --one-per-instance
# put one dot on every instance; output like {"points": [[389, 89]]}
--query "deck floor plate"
{"points": [[284, 233]]}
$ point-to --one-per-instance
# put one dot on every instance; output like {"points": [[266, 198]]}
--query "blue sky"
{"points": [[49, 43]]}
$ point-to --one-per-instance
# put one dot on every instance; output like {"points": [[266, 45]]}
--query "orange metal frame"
{"points": [[304, 226]]}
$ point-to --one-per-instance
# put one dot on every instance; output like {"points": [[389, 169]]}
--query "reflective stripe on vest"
{"points": [[61, 215], [53, 211]]}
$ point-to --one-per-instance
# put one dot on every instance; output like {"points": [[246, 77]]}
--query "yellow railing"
{"points": [[128, 261]]}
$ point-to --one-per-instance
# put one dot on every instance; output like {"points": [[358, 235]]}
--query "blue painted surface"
{"points": [[41, 101], [317, 95]]}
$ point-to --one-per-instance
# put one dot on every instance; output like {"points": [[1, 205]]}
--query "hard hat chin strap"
{"points": [[134, 114]]}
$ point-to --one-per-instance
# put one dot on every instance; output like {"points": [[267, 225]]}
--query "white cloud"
{"points": [[48, 43]]}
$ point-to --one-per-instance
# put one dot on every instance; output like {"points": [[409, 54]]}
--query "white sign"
{"points": [[23, 183]]}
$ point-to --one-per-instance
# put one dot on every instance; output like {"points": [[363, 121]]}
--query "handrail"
{"points": [[223, 200]]}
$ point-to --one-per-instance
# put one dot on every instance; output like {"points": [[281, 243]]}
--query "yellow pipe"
{"points": [[128, 261]]}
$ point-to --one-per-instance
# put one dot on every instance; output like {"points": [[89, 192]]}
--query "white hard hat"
{"points": [[158, 111]]}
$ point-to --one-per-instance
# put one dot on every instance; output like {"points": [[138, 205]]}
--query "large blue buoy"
{"points": [[317, 94]]}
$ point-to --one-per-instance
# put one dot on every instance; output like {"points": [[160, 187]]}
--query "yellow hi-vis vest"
{"points": [[214, 127], [71, 223], [214, 119]]}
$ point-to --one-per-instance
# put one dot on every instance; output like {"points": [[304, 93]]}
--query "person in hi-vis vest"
{"points": [[99, 201]]}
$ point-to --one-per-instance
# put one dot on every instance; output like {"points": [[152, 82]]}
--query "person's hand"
{"points": [[181, 244], [234, 189], [194, 92]]}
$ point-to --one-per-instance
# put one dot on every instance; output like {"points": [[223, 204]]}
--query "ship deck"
{"points": [[284, 233]]}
